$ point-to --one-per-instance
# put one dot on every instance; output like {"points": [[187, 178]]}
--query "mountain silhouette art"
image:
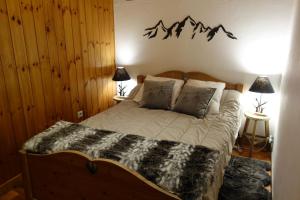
{"points": [[178, 27]]}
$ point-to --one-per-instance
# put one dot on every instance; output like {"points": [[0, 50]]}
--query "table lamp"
{"points": [[261, 85], [121, 75]]}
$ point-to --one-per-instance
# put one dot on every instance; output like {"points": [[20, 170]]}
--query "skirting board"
{"points": [[11, 184]]}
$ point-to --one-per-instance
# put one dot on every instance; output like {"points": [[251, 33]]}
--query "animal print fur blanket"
{"points": [[179, 168]]}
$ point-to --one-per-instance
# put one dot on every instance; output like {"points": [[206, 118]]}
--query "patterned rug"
{"points": [[246, 179]]}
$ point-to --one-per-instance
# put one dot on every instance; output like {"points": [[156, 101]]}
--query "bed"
{"points": [[73, 175]]}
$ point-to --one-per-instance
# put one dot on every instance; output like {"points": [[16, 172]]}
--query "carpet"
{"points": [[245, 179]]}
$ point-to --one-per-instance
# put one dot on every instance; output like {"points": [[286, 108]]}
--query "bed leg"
{"points": [[26, 176]]}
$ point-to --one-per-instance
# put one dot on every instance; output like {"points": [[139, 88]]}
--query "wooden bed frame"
{"points": [[194, 75], [72, 175]]}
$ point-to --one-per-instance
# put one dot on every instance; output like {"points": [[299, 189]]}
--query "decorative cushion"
{"points": [[134, 91], [194, 101], [157, 94], [214, 106], [176, 89]]}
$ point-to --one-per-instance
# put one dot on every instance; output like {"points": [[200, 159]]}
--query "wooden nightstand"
{"points": [[119, 99], [252, 136]]}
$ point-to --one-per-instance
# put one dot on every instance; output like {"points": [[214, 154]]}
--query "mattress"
{"points": [[216, 132]]}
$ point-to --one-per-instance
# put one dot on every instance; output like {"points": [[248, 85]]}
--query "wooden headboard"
{"points": [[194, 75]]}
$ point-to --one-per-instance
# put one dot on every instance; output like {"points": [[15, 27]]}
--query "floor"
{"points": [[18, 193], [243, 150]]}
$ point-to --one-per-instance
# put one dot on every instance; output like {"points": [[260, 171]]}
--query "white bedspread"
{"points": [[215, 131]]}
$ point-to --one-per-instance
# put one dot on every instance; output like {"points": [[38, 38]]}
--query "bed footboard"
{"points": [[72, 175]]}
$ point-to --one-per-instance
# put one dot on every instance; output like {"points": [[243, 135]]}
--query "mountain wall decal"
{"points": [[178, 27]]}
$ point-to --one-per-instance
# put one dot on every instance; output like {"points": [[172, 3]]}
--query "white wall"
{"points": [[262, 27], [286, 162]]}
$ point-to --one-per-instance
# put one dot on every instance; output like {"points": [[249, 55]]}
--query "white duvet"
{"points": [[215, 131]]}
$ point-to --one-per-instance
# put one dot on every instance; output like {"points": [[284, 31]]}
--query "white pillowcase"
{"points": [[177, 88], [214, 106]]}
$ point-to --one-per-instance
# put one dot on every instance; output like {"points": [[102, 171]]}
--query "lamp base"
{"points": [[122, 88]]}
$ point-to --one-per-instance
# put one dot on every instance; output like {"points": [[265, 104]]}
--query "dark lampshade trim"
{"points": [[262, 84], [121, 74]]}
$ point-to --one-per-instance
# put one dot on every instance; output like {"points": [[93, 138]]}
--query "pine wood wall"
{"points": [[56, 58]]}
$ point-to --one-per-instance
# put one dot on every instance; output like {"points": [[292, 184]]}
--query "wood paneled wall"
{"points": [[56, 58]]}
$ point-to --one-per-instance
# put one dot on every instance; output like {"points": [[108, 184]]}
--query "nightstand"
{"points": [[256, 117], [119, 99]]}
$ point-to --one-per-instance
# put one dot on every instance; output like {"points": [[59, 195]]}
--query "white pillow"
{"points": [[214, 105], [176, 90]]}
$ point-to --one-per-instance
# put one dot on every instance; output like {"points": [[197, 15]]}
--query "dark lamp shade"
{"points": [[262, 84], [121, 74]]}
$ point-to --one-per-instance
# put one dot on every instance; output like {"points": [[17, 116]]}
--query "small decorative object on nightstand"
{"points": [[262, 84], [119, 99], [252, 136], [121, 75]]}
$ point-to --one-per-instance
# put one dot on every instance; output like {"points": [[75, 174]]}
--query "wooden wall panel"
{"points": [[8, 147], [103, 38], [92, 54], [23, 69], [94, 29], [57, 83], [111, 50], [78, 54], [43, 55], [56, 58], [85, 57], [57, 11], [10, 73], [33, 64]]}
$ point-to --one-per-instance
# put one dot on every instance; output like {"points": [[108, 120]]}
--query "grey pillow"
{"points": [[157, 94], [194, 101]]}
